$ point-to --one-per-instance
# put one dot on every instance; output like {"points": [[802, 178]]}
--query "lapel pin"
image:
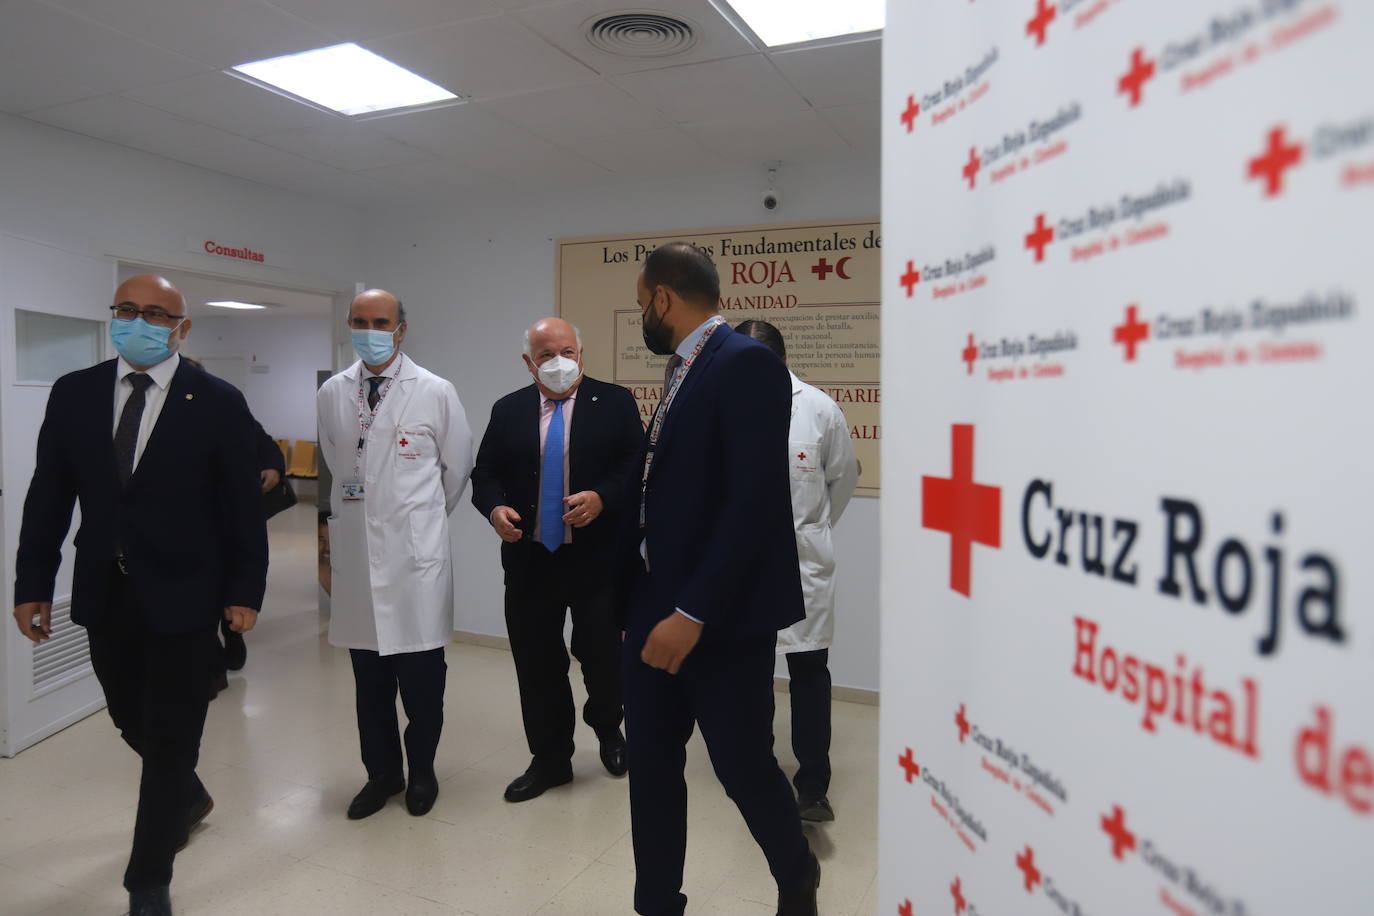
{"points": [[190, 397]]}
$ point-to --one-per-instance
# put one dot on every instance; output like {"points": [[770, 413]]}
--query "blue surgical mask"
{"points": [[140, 343], [374, 347]]}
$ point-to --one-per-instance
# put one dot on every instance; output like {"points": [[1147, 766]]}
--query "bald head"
{"points": [[150, 289], [376, 309], [549, 337]]}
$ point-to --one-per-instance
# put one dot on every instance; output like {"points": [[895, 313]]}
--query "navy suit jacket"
{"points": [[718, 501], [606, 434], [190, 519]]}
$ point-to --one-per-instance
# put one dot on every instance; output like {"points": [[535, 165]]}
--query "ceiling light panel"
{"points": [[345, 78]]}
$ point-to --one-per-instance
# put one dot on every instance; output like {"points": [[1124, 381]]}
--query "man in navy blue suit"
{"points": [[161, 457], [709, 575]]}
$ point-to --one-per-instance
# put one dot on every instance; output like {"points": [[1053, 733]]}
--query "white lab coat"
{"points": [[824, 474], [392, 587]]}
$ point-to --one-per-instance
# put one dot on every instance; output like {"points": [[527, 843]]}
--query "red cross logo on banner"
{"points": [[971, 513], [908, 762], [1274, 161], [404, 443], [801, 456], [1026, 862], [972, 166], [970, 354], [1115, 827], [961, 720], [904, 909], [1044, 15], [1039, 237], [910, 278], [822, 269], [1133, 82], [1130, 333], [913, 109], [956, 890]]}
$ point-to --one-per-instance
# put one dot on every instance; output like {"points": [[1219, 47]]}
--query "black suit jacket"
{"points": [[718, 501], [190, 520], [606, 433]]}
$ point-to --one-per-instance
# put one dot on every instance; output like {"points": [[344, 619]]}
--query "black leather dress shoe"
{"points": [[373, 796], [816, 810], [421, 792], [535, 781], [613, 753], [235, 649], [154, 902], [199, 810], [800, 899]]}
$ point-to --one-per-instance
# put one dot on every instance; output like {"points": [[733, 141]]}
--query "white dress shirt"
{"points": [[153, 398]]}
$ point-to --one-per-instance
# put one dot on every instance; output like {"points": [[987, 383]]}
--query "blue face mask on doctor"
{"points": [[141, 343], [374, 347]]}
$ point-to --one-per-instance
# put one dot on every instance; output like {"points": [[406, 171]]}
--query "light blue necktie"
{"points": [[551, 483]]}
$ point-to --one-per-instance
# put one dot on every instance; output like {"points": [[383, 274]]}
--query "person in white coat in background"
{"points": [[824, 474], [400, 451]]}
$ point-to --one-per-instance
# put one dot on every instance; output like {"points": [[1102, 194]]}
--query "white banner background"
{"points": [[1011, 782]]}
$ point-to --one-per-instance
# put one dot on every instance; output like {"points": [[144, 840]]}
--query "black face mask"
{"points": [[658, 337]]}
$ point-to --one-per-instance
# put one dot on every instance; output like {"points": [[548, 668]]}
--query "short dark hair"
{"points": [[686, 270], [765, 334]]}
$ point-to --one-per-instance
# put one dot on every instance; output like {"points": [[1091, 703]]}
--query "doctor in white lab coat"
{"points": [[824, 474], [399, 449]]}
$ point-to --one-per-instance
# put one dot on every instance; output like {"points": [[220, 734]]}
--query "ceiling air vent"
{"points": [[638, 33]]}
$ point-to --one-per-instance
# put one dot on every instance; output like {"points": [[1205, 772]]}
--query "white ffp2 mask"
{"points": [[559, 374]]}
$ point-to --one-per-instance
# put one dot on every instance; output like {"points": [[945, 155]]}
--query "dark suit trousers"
{"points": [[157, 689], [810, 695], [728, 691], [537, 603], [420, 678]]}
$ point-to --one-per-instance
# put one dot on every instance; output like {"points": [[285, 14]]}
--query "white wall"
{"points": [[293, 349], [474, 276]]}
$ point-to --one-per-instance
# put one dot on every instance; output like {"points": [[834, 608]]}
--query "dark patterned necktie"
{"points": [[674, 362], [126, 433], [373, 395]]}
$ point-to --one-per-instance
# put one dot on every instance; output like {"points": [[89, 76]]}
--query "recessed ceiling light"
{"points": [[345, 78], [232, 304], [788, 22]]}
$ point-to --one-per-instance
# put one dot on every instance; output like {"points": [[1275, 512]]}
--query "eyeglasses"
{"points": [[128, 311]]}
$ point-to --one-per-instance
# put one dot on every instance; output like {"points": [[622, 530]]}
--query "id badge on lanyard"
{"points": [[353, 491], [656, 424]]}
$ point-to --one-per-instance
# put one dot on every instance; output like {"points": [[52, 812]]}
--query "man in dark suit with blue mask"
{"points": [[172, 540], [709, 576]]}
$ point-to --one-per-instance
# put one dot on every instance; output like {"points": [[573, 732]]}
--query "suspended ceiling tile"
{"points": [[843, 74], [483, 58], [355, 20], [577, 111], [349, 146], [860, 125], [648, 152], [48, 56], [219, 34], [799, 137], [735, 89], [231, 104]]}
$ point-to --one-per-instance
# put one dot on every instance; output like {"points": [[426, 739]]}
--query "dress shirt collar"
{"points": [[393, 370], [689, 343], [545, 400], [161, 374]]}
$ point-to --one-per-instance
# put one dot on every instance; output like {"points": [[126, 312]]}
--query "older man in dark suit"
{"points": [[172, 540], [551, 478], [710, 575]]}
